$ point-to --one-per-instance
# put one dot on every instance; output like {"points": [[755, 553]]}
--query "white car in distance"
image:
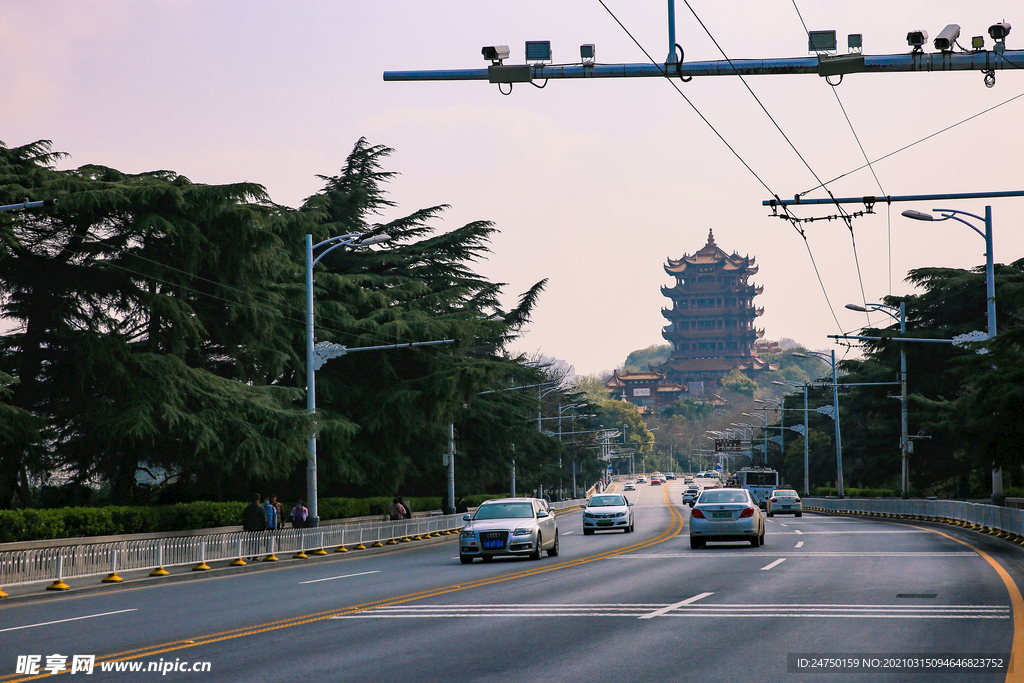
{"points": [[607, 511]]}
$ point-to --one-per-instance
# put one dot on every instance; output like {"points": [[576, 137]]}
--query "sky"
{"points": [[592, 184]]}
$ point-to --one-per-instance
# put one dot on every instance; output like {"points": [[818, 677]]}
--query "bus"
{"points": [[760, 481]]}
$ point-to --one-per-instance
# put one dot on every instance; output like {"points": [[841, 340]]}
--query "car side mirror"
{"points": [[542, 514], [629, 503], [466, 518]]}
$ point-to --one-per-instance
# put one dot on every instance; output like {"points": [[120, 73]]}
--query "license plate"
{"points": [[721, 515], [786, 507], [604, 523], [494, 544]]}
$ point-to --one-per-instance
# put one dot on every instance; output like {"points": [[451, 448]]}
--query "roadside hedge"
{"points": [[74, 522]]}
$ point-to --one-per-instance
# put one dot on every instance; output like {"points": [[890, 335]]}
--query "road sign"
{"points": [[728, 446]]}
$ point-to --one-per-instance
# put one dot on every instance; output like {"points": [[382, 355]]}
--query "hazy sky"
{"points": [[592, 184]]}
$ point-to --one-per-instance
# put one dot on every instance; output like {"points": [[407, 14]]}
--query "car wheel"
{"points": [[755, 542], [465, 559], [554, 549], [695, 544], [799, 514], [588, 532], [771, 514], [537, 553], [761, 539]]}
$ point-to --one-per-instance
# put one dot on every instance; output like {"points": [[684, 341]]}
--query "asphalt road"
{"points": [[613, 606]]}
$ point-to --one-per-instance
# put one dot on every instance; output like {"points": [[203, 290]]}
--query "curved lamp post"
{"points": [[318, 354], [900, 316], [990, 286], [807, 477], [831, 360]]}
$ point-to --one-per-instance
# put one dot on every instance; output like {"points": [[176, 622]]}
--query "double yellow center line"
{"points": [[674, 527]]}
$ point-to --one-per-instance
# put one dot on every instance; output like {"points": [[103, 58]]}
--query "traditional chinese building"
{"points": [[711, 321], [646, 390]]}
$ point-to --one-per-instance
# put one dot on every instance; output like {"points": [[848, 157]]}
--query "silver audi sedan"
{"points": [[607, 511], [507, 527]]}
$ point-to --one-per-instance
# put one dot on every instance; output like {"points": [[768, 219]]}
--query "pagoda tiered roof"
{"points": [[712, 254]]}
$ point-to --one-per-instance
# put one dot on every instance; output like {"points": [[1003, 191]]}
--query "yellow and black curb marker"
{"points": [[675, 526]]}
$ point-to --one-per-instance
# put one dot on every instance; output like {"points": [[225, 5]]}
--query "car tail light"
{"points": [[697, 513], [798, 500], [773, 500], [747, 512]]}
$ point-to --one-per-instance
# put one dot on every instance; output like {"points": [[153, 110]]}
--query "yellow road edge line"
{"points": [[1017, 675], [675, 526]]}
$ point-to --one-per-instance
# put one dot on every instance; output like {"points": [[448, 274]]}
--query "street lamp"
{"points": [[764, 432], [831, 360], [990, 286], [900, 315], [807, 477], [782, 424], [318, 354]]}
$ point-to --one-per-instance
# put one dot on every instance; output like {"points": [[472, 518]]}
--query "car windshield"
{"points": [[784, 492], [605, 501], [724, 497], [504, 511]]}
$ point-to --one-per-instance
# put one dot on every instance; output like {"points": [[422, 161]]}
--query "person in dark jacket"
{"points": [[254, 518], [461, 507]]}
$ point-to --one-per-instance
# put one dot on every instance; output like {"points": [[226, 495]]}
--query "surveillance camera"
{"points": [[947, 38], [495, 53], [999, 31], [917, 38]]}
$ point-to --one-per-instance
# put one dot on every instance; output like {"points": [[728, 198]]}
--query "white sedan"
{"points": [[784, 502], [726, 515], [629, 486], [607, 511]]}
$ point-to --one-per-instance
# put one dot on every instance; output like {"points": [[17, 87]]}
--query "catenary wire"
{"points": [[849, 223], [792, 146]]}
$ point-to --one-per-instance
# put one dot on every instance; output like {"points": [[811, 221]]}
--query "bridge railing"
{"points": [[57, 563], [992, 519]]}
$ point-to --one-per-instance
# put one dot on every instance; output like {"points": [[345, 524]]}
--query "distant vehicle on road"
{"points": [[629, 486], [784, 502], [607, 511], [508, 527], [641, 479], [690, 494], [670, 475], [726, 515], [759, 481], [655, 481]]}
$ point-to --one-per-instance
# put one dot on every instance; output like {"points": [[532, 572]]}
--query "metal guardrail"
{"points": [[992, 519], [64, 562]]}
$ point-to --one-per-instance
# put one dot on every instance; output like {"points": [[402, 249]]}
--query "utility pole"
{"points": [[826, 63]]}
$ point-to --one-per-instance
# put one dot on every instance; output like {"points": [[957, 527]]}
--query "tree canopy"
{"points": [[158, 326]]}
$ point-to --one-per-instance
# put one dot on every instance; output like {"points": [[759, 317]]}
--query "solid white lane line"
{"points": [[776, 563], [663, 610], [61, 621], [799, 544], [346, 576], [727, 551], [567, 533]]}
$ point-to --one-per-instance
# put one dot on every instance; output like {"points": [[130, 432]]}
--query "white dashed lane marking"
{"points": [[773, 564]]}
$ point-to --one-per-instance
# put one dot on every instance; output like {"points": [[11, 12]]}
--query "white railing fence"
{"points": [[992, 519], [64, 562]]}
